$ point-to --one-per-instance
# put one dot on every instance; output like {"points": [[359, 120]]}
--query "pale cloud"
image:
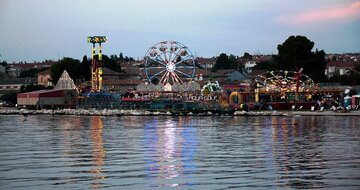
{"points": [[343, 13]]}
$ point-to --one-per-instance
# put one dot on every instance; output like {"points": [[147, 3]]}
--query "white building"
{"points": [[2, 69], [340, 68], [249, 65]]}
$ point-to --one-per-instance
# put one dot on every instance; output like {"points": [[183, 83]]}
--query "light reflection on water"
{"points": [[132, 152], [98, 150], [170, 152]]}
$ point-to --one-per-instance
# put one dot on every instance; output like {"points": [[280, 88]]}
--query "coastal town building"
{"points": [[65, 94], [204, 75], [339, 68], [121, 82], [44, 78], [14, 84], [345, 57], [2, 69], [206, 63], [14, 69], [227, 76], [249, 65], [238, 80], [121, 85]]}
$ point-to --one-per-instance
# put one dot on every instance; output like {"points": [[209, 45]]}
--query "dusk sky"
{"points": [[35, 30]]}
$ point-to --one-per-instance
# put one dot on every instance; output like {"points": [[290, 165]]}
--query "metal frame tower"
{"points": [[96, 70]]}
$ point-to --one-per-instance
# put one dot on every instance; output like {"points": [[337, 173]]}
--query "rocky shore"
{"points": [[117, 112]]}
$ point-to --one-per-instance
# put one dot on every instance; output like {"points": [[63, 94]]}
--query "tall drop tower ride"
{"points": [[96, 69]]}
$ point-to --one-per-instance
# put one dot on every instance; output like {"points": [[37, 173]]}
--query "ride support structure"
{"points": [[96, 69], [297, 79]]}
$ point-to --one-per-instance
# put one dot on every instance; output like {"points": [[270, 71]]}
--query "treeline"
{"points": [[293, 54], [121, 58], [81, 71]]}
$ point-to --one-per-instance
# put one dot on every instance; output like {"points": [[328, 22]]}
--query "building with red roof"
{"points": [[64, 94]]}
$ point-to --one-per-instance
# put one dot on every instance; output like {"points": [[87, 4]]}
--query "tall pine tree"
{"points": [[296, 53]]}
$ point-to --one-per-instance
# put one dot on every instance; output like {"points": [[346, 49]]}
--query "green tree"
{"points": [[10, 97], [31, 72], [72, 66], [32, 87], [109, 63], [224, 61], [121, 57], [247, 56], [86, 68], [114, 57], [296, 52], [3, 63]]}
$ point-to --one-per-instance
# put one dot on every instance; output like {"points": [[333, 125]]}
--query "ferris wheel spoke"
{"points": [[156, 74], [187, 58], [157, 61], [176, 77], [160, 67], [173, 77], [165, 77], [183, 73], [174, 58], [170, 55], [162, 54], [165, 57], [158, 55], [185, 67], [177, 54]]}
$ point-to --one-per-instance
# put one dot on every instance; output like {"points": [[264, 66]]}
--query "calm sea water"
{"points": [[73, 152]]}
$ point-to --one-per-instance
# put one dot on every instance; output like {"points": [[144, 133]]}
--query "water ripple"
{"points": [[71, 152]]}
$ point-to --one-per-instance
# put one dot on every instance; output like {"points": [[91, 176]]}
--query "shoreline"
{"points": [[117, 112]]}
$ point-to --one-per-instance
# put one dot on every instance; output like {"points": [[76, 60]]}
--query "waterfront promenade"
{"points": [[137, 112], [326, 113]]}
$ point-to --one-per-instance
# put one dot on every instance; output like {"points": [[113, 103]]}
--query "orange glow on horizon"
{"points": [[340, 13]]}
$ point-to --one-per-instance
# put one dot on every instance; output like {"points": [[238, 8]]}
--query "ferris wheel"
{"points": [[169, 62]]}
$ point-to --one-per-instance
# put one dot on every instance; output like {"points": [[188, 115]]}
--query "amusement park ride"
{"points": [[284, 81], [172, 64], [170, 68], [96, 69], [169, 62]]}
